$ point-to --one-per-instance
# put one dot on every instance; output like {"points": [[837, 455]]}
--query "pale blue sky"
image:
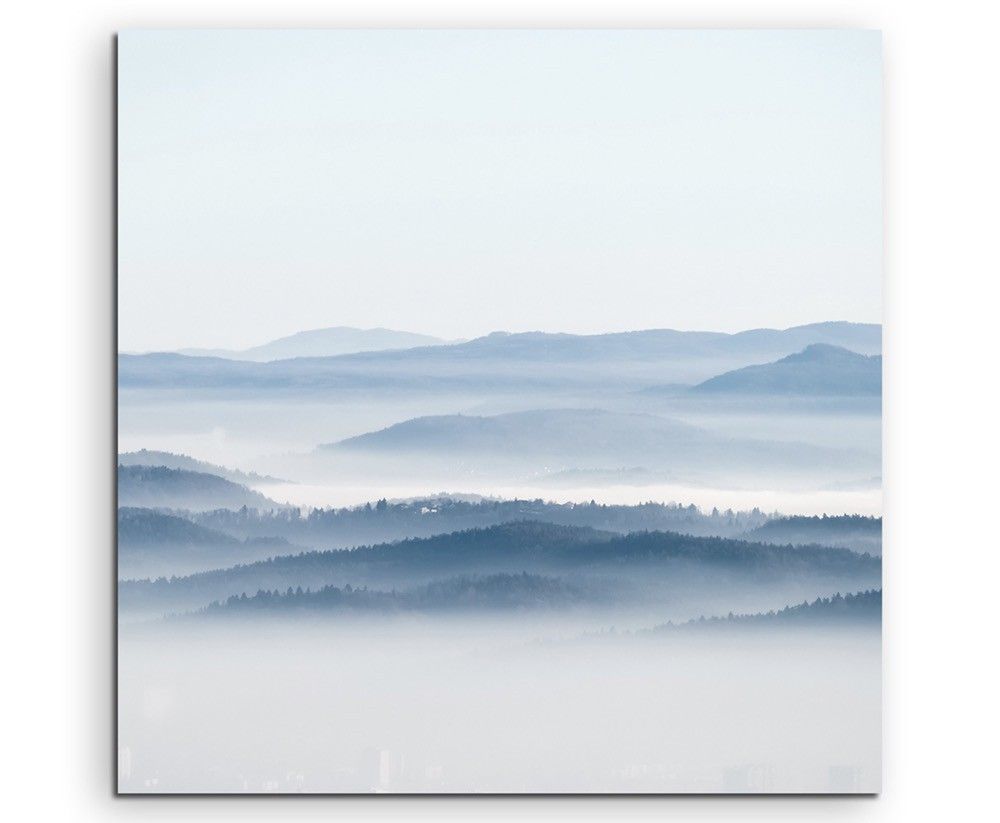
{"points": [[460, 182]]}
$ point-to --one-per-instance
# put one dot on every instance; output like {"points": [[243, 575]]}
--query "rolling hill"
{"points": [[162, 487], [655, 564], [497, 592], [147, 457], [547, 440], [139, 527], [819, 370], [861, 609], [153, 544], [501, 361], [543, 432], [385, 521], [328, 342], [855, 532]]}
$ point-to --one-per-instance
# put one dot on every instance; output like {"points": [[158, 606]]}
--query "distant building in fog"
{"points": [[391, 766], [124, 764], [845, 779], [747, 779]]}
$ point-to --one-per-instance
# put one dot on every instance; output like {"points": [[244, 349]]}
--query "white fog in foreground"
{"points": [[442, 706]]}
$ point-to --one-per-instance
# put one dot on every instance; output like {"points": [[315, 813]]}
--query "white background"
{"points": [[942, 182]]}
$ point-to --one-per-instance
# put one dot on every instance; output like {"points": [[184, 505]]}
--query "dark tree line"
{"points": [[540, 548], [861, 607], [498, 591], [382, 520]]}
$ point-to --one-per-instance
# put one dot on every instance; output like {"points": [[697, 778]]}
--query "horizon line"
{"points": [[496, 332]]}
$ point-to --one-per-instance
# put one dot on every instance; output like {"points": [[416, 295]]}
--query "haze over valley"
{"points": [[530, 410], [483, 427], [611, 517]]}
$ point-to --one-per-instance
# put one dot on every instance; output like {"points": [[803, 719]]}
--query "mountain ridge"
{"points": [[513, 548], [162, 487], [820, 369], [863, 607], [634, 359], [329, 341], [173, 460], [152, 543], [546, 440]]}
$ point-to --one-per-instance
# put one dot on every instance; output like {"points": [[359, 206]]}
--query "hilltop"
{"points": [[818, 370], [328, 342]]}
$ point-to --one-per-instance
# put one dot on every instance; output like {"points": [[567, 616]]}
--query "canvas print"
{"points": [[499, 412]]}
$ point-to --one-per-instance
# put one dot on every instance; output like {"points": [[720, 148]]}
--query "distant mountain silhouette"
{"points": [[323, 343], [147, 457], [501, 361], [571, 438], [160, 487], [547, 431], [669, 343], [818, 370]]}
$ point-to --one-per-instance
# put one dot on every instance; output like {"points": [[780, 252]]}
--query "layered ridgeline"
{"points": [[520, 592], [329, 342], [863, 534], [384, 521], [490, 593], [194, 521], [631, 570], [162, 487], [541, 442], [153, 543], [170, 460], [537, 361], [819, 370], [853, 610]]}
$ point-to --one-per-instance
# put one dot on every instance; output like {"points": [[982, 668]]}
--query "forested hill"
{"points": [[161, 487], [491, 592], [853, 531], [147, 457], [139, 527], [152, 543], [382, 521], [648, 558], [865, 607]]}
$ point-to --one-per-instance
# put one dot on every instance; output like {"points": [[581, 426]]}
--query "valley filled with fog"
{"points": [[421, 706], [645, 561]]}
